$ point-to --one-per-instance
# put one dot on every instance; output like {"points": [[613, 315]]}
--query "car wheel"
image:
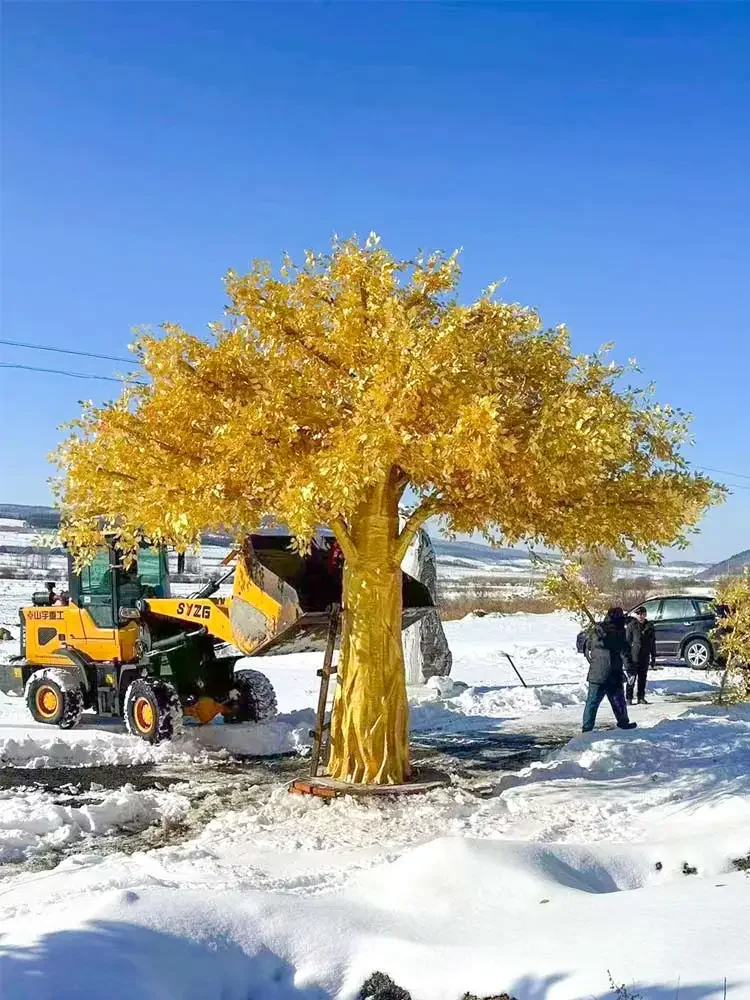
{"points": [[698, 654]]}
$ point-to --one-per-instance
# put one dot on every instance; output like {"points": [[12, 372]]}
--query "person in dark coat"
{"points": [[130, 586], [642, 641], [609, 652]]}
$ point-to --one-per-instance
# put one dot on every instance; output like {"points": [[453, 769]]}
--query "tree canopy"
{"points": [[330, 376]]}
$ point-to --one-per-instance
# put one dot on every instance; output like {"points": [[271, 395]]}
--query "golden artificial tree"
{"points": [[352, 384]]}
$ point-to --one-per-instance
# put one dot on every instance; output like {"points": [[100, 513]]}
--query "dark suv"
{"points": [[682, 626]]}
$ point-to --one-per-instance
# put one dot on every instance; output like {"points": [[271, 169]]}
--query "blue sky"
{"points": [[595, 155]]}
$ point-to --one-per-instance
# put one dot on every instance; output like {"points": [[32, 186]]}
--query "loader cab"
{"points": [[110, 591]]}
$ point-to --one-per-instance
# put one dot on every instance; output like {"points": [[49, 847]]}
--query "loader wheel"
{"points": [[55, 698], [253, 698], [152, 710]]}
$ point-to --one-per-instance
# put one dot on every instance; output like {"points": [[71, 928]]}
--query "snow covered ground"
{"points": [[614, 855]]}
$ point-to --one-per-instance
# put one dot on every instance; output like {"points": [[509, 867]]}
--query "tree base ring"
{"points": [[424, 780]]}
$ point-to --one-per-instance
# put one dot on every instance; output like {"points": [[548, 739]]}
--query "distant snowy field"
{"points": [[462, 567], [542, 882]]}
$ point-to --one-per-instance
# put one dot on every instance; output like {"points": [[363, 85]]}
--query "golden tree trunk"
{"points": [[370, 723]]}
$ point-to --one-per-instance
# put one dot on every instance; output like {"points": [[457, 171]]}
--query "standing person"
{"points": [[642, 641], [609, 648]]}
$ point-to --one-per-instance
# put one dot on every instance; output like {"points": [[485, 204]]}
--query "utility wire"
{"points": [[59, 371], [110, 378], [65, 350], [724, 472]]}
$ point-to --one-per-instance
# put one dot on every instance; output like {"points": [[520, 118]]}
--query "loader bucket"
{"points": [[307, 586], [253, 618]]}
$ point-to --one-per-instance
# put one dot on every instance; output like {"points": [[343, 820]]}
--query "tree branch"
{"points": [[114, 474], [401, 480], [344, 539], [186, 366], [297, 337], [413, 524], [141, 435]]}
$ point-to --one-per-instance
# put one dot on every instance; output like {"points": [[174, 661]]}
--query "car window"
{"points": [[675, 608], [706, 607], [652, 610]]}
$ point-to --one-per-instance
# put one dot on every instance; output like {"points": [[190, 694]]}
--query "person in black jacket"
{"points": [[609, 650], [642, 641]]}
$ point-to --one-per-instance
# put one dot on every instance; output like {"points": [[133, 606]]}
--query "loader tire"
{"points": [[54, 697], [152, 710], [253, 696]]}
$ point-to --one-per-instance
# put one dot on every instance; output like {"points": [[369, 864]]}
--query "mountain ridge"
{"points": [[732, 566]]}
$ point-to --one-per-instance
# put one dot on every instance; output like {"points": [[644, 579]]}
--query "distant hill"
{"points": [[732, 566], [49, 518], [476, 552], [36, 516], [460, 555]]}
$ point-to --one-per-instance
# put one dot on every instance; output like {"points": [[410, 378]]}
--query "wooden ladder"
{"points": [[321, 733]]}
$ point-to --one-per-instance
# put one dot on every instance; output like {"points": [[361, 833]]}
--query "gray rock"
{"points": [[426, 652]]}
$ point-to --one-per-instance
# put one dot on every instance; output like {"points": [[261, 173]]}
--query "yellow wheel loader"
{"points": [[120, 643]]}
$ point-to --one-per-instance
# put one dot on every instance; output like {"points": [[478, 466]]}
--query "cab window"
{"points": [[152, 572], [96, 589], [705, 607], [96, 578], [148, 568]]}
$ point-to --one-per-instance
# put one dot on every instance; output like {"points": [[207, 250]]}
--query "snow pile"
{"points": [[708, 746], [43, 746], [450, 916], [47, 747], [454, 707], [683, 778], [287, 733], [516, 700], [687, 780], [294, 843], [33, 822]]}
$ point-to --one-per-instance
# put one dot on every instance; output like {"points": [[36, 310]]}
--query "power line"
{"points": [[724, 472], [60, 371], [65, 350], [110, 378]]}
